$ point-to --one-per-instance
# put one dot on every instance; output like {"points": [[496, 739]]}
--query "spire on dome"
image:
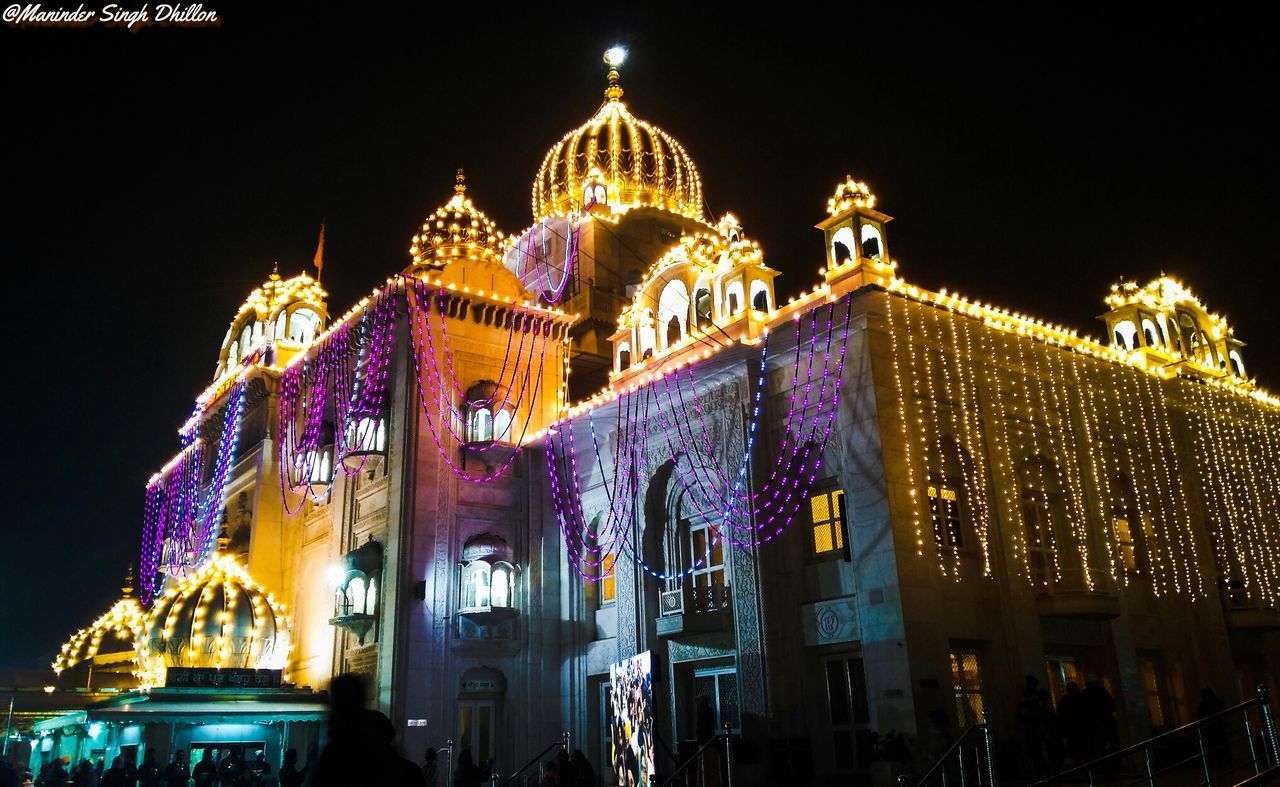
{"points": [[614, 57], [460, 183], [126, 589], [275, 272]]}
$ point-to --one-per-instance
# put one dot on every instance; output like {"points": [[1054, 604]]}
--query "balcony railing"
{"points": [[689, 600]]}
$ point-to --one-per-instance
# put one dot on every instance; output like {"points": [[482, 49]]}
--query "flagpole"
{"points": [[319, 259]]}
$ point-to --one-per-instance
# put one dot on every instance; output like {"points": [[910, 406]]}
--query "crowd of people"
{"points": [[231, 770], [631, 721], [1082, 728]]}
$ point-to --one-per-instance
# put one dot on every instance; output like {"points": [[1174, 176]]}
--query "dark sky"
{"points": [[152, 178]]}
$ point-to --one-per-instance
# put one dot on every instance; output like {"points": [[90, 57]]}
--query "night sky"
{"points": [[152, 179]]}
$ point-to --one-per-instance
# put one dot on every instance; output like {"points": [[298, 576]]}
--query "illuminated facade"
{"points": [[526, 458]]}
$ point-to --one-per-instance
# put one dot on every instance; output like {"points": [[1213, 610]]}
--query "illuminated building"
{"points": [[528, 457]]}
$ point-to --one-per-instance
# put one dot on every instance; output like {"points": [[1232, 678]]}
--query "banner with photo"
{"points": [[631, 720]]}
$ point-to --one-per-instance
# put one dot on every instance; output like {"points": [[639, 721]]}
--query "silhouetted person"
{"points": [[583, 773], [149, 771], [360, 748], [290, 774], [114, 776], [1031, 725], [468, 773], [57, 775], [1100, 713], [233, 768], [564, 769], [1074, 724], [429, 771], [9, 776], [259, 769], [131, 770], [176, 773], [1215, 731], [1052, 731], [85, 775], [206, 771]]}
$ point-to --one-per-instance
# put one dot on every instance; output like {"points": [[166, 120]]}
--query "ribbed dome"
{"points": [[457, 230], [638, 164], [218, 617], [113, 632]]}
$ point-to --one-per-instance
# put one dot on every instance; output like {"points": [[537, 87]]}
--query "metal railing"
{"points": [[970, 760], [497, 781], [1215, 752], [692, 600], [697, 757]]}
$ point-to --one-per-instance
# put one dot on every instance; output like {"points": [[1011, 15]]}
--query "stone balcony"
{"points": [[694, 610]]}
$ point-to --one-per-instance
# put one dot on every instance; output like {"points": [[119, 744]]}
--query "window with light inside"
{"points": [[826, 510]]}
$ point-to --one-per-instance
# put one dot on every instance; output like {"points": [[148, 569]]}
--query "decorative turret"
{"points": [[1166, 324], [289, 311], [855, 234]]}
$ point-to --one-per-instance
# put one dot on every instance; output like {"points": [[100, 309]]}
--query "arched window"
{"points": [[475, 585], [702, 306], [367, 434], [304, 324], [647, 335], [488, 578], [487, 415], [734, 298], [843, 244], [759, 296], [502, 585], [282, 322], [1150, 332], [1237, 363], [624, 356], [673, 332], [1126, 335], [479, 424], [233, 353], [673, 307], [872, 242], [246, 339]]}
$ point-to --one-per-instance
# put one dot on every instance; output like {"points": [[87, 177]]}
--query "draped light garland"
{"points": [[533, 255], [678, 423], [178, 516], [327, 384]]}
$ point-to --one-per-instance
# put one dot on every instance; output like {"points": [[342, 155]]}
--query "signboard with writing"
{"points": [[207, 678]]}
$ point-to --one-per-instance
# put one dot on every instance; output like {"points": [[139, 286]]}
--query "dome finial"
{"points": [[275, 272], [460, 182], [127, 588], [614, 57], [224, 538]]}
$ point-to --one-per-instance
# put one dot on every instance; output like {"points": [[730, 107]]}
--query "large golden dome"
{"points": [[218, 617], [113, 632], [457, 230], [638, 165]]}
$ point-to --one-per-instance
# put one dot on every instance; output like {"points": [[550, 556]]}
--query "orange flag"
{"points": [[319, 260]]}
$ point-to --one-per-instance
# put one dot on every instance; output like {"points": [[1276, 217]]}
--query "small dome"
{"points": [[485, 546], [851, 193], [113, 632], [218, 617], [457, 230], [638, 165]]}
